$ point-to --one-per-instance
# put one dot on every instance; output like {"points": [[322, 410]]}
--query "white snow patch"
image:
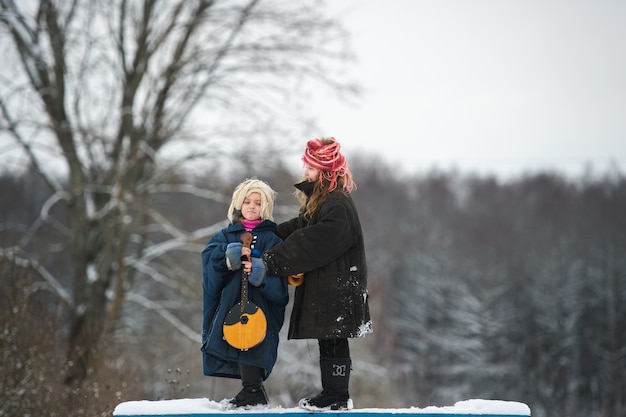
{"points": [[201, 406], [365, 328], [92, 273]]}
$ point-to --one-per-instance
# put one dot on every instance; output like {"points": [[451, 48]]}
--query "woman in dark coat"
{"points": [[325, 242], [222, 267]]}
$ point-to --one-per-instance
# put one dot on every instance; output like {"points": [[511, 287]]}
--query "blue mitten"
{"points": [[257, 275], [233, 256]]}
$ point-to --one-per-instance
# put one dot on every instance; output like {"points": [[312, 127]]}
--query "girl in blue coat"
{"points": [[224, 260]]}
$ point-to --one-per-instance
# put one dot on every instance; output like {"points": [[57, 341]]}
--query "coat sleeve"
{"points": [[214, 273], [313, 246], [285, 229], [214, 269], [274, 288]]}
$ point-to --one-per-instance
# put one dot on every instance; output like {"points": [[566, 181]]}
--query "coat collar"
{"points": [[306, 187]]}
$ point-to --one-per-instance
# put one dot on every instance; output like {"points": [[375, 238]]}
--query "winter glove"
{"points": [[257, 275], [233, 256]]}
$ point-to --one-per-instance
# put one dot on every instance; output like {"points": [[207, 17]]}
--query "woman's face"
{"points": [[311, 174], [251, 207]]}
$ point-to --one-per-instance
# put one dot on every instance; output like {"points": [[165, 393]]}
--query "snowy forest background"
{"points": [[480, 289], [122, 126]]}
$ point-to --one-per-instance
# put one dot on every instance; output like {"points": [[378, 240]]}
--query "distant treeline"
{"points": [[480, 288]]}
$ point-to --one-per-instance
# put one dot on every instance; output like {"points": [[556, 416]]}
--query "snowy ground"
{"points": [[203, 406]]}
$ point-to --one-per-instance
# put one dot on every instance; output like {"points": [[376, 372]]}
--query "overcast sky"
{"points": [[488, 86]]}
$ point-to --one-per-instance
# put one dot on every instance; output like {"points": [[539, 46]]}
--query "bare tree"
{"points": [[111, 89]]}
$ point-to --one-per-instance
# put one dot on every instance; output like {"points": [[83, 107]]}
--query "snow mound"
{"points": [[203, 406]]}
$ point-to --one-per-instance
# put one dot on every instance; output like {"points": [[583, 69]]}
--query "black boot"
{"points": [[335, 380], [253, 393]]}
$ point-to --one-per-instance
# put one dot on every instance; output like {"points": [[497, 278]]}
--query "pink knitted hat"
{"points": [[324, 154]]}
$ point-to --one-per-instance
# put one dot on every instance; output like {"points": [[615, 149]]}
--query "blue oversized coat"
{"points": [[222, 291]]}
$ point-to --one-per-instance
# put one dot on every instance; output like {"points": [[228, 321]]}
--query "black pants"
{"points": [[334, 348], [251, 376]]}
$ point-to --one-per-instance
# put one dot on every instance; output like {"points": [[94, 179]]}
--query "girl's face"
{"points": [[251, 207], [311, 174]]}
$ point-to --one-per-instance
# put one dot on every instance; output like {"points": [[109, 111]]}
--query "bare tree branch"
{"points": [[12, 128], [165, 314], [19, 258]]}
